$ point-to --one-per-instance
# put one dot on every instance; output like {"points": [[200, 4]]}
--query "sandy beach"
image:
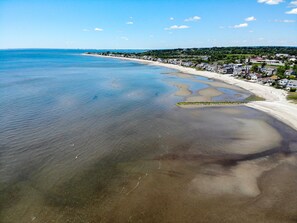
{"points": [[275, 105]]}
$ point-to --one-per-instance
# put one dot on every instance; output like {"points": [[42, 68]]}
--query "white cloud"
{"points": [[251, 31], [129, 23], [293, 4], [85, 30], [293, 11], [177, 27], [193, 19], [250, 19], [98, 29], [171, 18], [130, 17], [285, 21], [242, 25], [271, 2]]}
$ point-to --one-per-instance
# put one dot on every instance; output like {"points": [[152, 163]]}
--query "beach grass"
{"points": [[254, 98], [292, 96], [210, 103]]}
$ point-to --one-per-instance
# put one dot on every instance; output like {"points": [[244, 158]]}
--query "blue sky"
{"points": [[146, 24]]}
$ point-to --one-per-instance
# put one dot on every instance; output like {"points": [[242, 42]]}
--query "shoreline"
{"points": [[275, 105]]}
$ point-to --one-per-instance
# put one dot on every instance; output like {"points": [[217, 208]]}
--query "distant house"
{"points": [[289, 73], [267, 80], [269, 72], [269, 62], [252, 77], [240, 71], [238, 65], [204, 57], [291, 84], [187, 64], [282, 55], [227, 70], [283, 82]]}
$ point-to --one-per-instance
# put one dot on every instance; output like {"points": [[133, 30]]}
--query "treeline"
{"points": [[222, 52]]}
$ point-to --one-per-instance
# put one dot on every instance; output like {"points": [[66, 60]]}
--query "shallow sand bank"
{"points": [[183, 89], [275, 105], [205, 95]]}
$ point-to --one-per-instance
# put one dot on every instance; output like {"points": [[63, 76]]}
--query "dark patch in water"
{"points": [[84, 187]]}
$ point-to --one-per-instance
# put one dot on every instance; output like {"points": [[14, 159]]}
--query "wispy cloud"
{"points": [[250, 19], [285, 21], [129, 23], [85, 30], [242, 25], [177, 27], [293, 4], [98, 29], [293, 11], [124, 38], [271, 2], [193, 19], [171, 18]]}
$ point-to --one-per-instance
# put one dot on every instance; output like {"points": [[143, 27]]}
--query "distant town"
{"points": [[274, 66]]}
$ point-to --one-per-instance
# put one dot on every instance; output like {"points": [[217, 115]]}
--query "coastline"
{"points": [[275, 105]]}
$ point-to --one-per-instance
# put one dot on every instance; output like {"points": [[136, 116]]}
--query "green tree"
{"points": [[254, 68], [295, 69], [280, 72], [263, 64]]}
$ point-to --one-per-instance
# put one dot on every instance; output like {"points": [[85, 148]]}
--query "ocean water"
{"points": [[88, 139]]}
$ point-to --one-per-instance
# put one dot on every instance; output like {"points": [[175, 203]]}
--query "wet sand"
{"points": [[221, 169], [205, 95], [183, 89]]}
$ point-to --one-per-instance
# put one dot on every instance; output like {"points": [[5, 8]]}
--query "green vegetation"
{"points": [[255, 68], [209, 103], [292, 96], [227, 54], [280, 72], [214, 54], [254, 98]]}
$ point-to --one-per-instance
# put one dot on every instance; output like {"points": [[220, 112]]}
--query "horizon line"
{"points": [[48, 48]]}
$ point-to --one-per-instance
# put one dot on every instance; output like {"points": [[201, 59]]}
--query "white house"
{"points": [[283, 82], [291, 84]]}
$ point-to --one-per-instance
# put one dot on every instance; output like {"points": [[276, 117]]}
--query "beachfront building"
{"points": [[226, 69], [268, 62], [283, 82], [292, 84]]}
